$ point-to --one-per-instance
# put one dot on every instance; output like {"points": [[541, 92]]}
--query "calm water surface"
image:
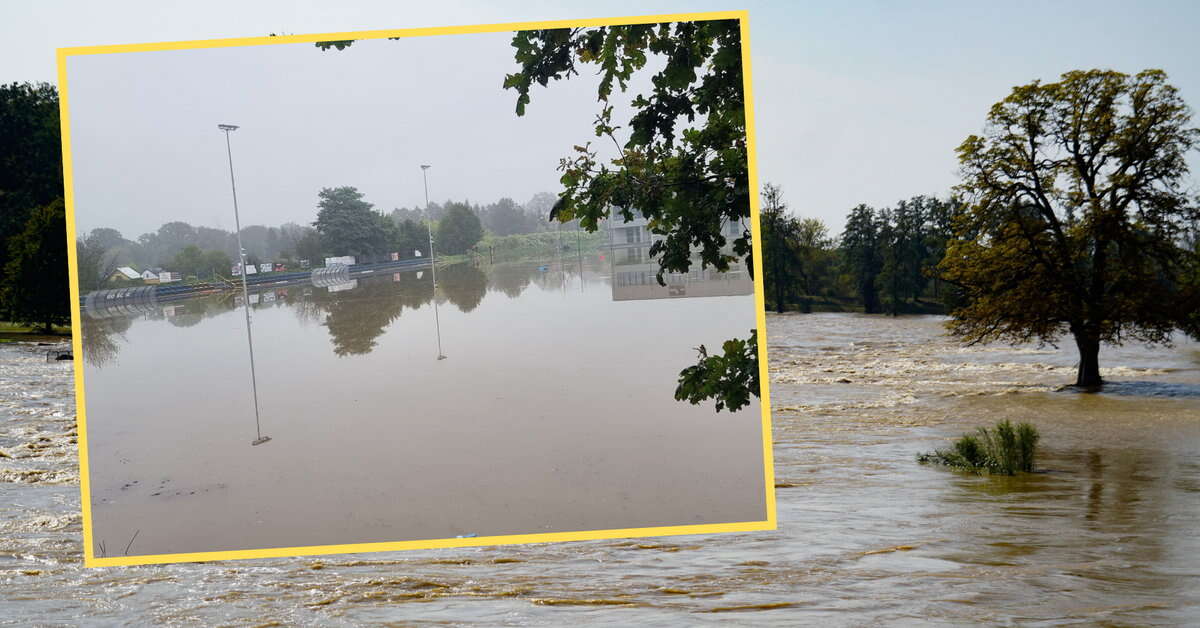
{"points": [[1107, 534], [535, 421]]}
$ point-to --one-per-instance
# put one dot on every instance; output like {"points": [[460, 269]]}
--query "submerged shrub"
{"points": [[1001, 450]]}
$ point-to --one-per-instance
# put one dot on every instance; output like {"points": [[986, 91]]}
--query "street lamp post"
{"points": [[260, 439], [432, 261]]}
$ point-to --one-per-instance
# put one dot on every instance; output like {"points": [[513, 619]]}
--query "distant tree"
{"points": [[860, 246], [30, 157], [308, 247], [780, 255], [347, 224], [216, 262], [400, 214], [458, 230], [99, 255], [505, 217], [1076, 209], [188, 262], [34, 288], [538, 209], [411, 237], [812, 245], [939, 217]]}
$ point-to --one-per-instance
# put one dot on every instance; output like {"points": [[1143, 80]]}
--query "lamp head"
{"points": [[227, 127], [425, 166]]}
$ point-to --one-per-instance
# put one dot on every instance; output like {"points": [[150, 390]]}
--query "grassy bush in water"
{"points": [[1001, 450]]}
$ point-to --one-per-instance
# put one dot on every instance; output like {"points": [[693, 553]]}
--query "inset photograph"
{"points": [[415, 289]]}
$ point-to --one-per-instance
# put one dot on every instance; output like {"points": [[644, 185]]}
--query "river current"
{"points": [[1107, 532]]}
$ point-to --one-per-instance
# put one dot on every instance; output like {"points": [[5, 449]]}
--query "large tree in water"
{"points": [[1076, 217]]}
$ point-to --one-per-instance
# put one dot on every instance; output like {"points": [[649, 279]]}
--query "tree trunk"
{"points": [[1089, 361]]}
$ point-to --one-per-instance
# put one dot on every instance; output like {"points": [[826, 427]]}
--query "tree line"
{"points": [[346, 224], [33, 250], [884, 260]]}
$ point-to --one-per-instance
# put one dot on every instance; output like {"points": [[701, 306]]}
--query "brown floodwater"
{"points": [[1107, 532], [537, 419]]}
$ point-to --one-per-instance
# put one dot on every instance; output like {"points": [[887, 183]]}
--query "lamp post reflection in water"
{"points": [[259, 438], [432, 261]]}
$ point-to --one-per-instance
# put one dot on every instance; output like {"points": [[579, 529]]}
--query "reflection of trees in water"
{"points": [[307, 310], [355, 318], [102, 338], [464, 285], [189, 313], [555, 276], [511, 279]]}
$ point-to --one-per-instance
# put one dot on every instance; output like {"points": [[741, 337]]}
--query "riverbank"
{"points": [[1105, 534], [13, 332], [852, 305]]}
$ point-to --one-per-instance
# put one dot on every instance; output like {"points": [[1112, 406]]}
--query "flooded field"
{"points": [[395, 415], [1107, 534]]}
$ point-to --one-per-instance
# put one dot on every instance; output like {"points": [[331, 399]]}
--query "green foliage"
{"points": [[682, 164], [34, 288], [540, 246], [30, 155], [729, 378], [1077, 209], [687, 181], [347, 225], [1001, 450], [193, 262], [458, 230], [862, 251], [505, 217], [889, 252], [409, 237]]}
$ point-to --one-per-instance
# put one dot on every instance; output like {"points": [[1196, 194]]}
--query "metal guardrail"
{"points": [[142, 299]]}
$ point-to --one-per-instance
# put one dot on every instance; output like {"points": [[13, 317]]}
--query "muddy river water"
{"points": [[1107, 533]]}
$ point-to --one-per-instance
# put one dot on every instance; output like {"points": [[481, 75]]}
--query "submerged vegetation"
{"points": [[1001, 450]]}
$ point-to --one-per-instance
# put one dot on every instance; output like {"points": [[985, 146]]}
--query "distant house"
{"points": [[124, 273], [169, 277], [150, 276]]}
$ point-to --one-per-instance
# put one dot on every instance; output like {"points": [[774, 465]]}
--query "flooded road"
{"points": [[1108, 534]]}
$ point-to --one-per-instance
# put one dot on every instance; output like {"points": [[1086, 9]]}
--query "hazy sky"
{"points": [[862, 103]]}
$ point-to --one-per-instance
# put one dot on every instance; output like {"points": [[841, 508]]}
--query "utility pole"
{"points": [[432, 261], [260, 439]]}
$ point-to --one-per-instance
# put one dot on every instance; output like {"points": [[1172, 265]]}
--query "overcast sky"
{"points": [[854, 104]]}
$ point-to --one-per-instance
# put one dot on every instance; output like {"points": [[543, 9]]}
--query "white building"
{"points": [[635, 272]]}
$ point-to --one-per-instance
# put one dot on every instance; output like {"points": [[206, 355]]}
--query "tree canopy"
{"points": [[34, 288], [1075, 217], [680, 160], [458, 230], [347, 224], [683, 162], [30, 154]]}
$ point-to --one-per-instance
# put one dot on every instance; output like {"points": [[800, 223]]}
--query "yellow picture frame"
{"points": [[91, 560]]}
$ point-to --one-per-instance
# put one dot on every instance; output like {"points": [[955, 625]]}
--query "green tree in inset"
{"points": [[346, 223], [458, 230]]}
